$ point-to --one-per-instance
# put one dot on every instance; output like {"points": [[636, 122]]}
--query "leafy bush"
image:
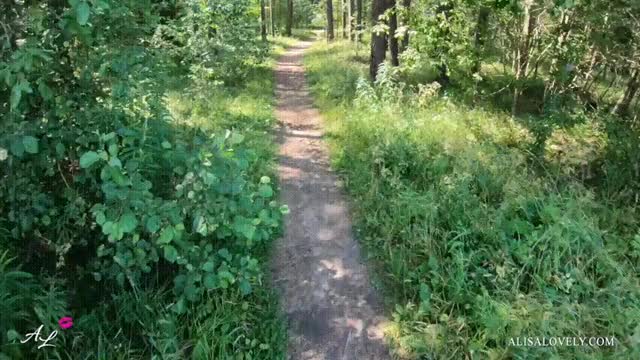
{"points": [[144, 223]]}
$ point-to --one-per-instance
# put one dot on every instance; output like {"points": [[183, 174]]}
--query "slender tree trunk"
{"points": [[344, 18], [588, 73], [359, 19], [352, 34], [273, 18], [378, 40], [479, 40], [560, 76], [289, 17], [263, 21], [406, 4], [622, 106], [330, 35], [393, 27], [445, 9], [522, 59]]}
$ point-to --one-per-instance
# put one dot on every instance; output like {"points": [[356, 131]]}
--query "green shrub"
{"points": [[138, 216]]}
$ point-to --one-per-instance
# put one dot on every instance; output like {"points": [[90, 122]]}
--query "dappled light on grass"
{"points": [[486, 227]]}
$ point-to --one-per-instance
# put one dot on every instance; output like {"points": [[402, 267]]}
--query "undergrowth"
{"points": [[137, 191], [485, 228]]}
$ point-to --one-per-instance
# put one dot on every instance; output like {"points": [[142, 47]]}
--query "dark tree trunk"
{"points": [[289, 17], [360, 18], [344, 19], [330, 35], [622, 106], [405, 41], [378, 40], [263, 21], [479, 37], [352, 7], [273, 18], [393, 40]]}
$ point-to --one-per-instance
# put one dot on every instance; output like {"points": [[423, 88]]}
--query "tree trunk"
{"points": [[289, 17], [393, 27], [344, 19], [352, 34], [273, 19], [588, 73], [444, 9], [359, 19], [263, 21], [522, 59], [330, 35], [622, 106], [378, 40], [406, 4], [480, 34]]}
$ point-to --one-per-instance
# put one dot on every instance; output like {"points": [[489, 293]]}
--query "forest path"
{"points": [[333, 312]]}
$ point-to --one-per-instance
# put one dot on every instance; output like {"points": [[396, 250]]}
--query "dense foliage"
{"points": [[486, 228], [527, 56], [117, 210]]}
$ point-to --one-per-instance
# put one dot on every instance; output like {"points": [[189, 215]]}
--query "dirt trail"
{"points": [[333, 312]]}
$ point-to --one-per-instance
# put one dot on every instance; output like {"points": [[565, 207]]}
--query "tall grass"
{"points": [[479, 238]]}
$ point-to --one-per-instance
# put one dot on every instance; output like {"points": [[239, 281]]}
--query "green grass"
{"points": [[482, 229]]}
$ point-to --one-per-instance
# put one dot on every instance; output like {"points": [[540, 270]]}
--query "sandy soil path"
{"points": [[333, 312]]}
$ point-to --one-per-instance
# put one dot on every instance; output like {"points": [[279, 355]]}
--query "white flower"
{"points": [[3, 154]]}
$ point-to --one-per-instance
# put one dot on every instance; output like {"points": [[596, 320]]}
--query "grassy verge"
{"points": [[484, 231]]}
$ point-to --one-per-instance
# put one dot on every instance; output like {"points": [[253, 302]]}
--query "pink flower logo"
{"points": [[65, 322]]}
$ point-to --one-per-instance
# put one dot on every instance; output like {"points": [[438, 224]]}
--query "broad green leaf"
{"points": [[128, 222], [17, 147], [153, 224], [265, 191], [89, 158], [45, 91], [166, 235], [166, 145], [245, 287], [225, 254], [106, 227], [82, 13], [210, 281], [116, 232], [100, 217], [208, 266], [30, 144], [199, 225], [113, 150], [225, 278], [22, 86], [170, 253]]}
